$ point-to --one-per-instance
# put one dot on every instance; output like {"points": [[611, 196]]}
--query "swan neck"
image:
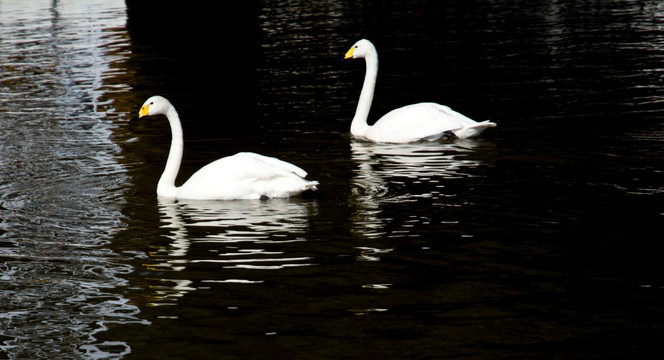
{"points": [[166, 186], [359, 125]]}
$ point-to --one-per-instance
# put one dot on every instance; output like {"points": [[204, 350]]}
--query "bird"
{"points": [[416, 122], [245, 175]]}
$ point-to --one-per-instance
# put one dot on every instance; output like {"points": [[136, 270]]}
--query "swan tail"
{"points": [[474, 130], [289, 188], [312, 186]]}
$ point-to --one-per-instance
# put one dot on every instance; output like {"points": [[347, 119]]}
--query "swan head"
{"points": [[156, 105], [360, 49]]}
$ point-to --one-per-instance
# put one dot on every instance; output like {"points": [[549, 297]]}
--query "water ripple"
{"points": [[60, 183], [235, 236], [406, 173]]}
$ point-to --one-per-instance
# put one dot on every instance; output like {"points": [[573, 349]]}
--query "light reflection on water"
{"points": [[430, 162], [406, 173], [60, 183], [231, 235]]}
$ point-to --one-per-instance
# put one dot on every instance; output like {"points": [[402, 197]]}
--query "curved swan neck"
{"points": [[166, 185], [359, 125]]}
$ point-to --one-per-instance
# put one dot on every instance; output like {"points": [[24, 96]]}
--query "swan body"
{"points": [[416, 122], [244, 175]]}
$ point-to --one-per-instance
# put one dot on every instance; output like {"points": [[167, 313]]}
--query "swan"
{"points": [[416, 122], [244, 175]]}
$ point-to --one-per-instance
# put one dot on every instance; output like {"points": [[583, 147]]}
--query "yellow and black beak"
{"points": [[349, 54], [144, 110], [141, 113]]}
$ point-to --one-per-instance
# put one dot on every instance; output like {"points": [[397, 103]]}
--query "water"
{"points": [[61, 186], [540, 240]]}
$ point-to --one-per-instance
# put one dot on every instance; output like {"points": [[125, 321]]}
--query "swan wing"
{"points": [[273, 163], [470, 127], [246, 176], [423, 121], [246, 165]]}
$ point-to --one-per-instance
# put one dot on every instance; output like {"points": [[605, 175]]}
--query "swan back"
{"points": [[246, 175], [423, 121]]}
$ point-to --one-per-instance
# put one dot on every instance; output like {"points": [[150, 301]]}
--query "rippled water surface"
{"points": [[61, 186], [541, 239]]}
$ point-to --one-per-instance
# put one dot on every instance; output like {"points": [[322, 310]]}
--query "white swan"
{"points": [[416, 122], [240, 176]]}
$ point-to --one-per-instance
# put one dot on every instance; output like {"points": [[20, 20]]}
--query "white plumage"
{"points": [[241, 176]]}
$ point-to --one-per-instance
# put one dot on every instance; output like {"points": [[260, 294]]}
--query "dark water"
{"points": [[540, 240]]}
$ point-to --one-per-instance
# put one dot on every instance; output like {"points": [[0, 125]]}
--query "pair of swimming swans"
{"points": [[248, 175]]}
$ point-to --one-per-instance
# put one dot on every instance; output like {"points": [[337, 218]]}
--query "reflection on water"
{"points": [[60, 182], [405, 173], [235, 236], [416, 163]]}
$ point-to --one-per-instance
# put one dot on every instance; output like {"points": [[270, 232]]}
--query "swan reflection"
{"points": [[422, 161], [236, 239], [398, 173]]}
